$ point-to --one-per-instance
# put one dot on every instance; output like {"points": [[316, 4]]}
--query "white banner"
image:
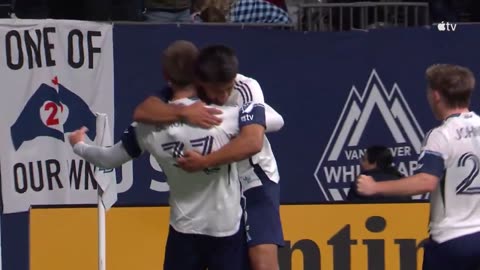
{"points": [[55, 75]]}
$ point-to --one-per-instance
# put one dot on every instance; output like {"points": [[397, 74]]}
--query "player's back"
{"points": [[206, 202], [456, 201]]}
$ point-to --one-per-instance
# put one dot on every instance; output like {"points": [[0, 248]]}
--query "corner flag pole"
{"points": [[101, 232], [106, 189]]}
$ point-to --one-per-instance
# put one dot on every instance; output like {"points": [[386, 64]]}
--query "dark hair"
{"points": [[382, 157], [455, 83], [216, 64], [178, 62]]}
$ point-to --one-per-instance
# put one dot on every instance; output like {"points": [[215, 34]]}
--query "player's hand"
{"points": [[366, 185], [199, 115], [77, 136], [191, 161]]}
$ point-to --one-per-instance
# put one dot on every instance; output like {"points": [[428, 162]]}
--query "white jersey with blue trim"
{"points": [[452, 152], [261, 166], [206, 202]]}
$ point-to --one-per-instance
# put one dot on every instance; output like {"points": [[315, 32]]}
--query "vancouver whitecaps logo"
{"points": [[339, 164]]}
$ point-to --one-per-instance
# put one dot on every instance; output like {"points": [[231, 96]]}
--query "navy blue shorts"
{"points": [[262, 214], [199, 252], [462, 253]]}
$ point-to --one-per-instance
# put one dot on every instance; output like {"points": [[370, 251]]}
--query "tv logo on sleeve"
{"points": [[51, 112]]}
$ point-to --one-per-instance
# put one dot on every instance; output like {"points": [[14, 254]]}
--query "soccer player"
{"points": [[449, 168], [206, 229], [218, 81], [178, 70], [205, 216]]}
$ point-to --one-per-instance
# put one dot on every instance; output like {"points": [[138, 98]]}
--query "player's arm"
{"points": [[103, 157], [251, 91], [431, 166], [416, 184], [248, 142], [252, 124], [107, 157], [154, 110], [273, 120]]}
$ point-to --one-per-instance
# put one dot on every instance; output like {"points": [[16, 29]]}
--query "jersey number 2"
{"points": [[467, 186]]}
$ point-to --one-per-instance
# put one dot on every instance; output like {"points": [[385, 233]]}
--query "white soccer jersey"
{"points": [[206, 202], [263, 165], [451, 152]]}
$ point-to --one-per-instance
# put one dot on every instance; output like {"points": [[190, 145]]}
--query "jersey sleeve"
{"points": [[131, 142], [273, 120], [250, 91], [252, 113], [103, 157], [434, 154]]}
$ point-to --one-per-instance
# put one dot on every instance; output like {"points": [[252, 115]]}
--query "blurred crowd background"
{"points": [[311, 15]]}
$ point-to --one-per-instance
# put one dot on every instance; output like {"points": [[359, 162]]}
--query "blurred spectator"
{"points": [[168, 11], [455, 10], [475, 8], [127, 10], [30, 9], [209, 11], [6, 8], [93, 10], [443, 10], [257, 11], [209, 15], [221, 5], [279, 3], [212, 15], [377, 162]]}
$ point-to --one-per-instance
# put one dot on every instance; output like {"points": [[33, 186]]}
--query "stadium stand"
{"points": [[306, 15]]}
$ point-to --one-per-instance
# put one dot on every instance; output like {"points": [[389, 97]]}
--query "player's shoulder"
{"points": [[436, 132], [246, 89], [142, 129], [462, 118], [185, 101], [225, 107], [246, 83], [229, 112], [439, 135], [242, 78], [453, 122], [249, 106]]}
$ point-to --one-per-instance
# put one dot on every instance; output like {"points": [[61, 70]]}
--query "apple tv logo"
{"points": [[446, 26]]}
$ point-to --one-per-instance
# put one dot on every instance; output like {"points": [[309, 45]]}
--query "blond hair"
{"points": [[454, 82], [178, 62]]}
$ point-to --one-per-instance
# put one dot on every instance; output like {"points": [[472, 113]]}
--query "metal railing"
{"points": [[361, 15]]}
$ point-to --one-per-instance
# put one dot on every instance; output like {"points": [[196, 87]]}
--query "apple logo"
{"points": [[441, 26]]}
